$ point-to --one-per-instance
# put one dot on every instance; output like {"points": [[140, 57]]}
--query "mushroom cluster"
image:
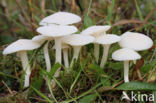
{"points": [[59, 28]]}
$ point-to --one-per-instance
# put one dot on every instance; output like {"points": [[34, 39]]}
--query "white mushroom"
{"points": [[96, 31], [76, 41], [21, 46], [106, 41], [61, 18], [125, 55], [41, 39], [57, 32], [135, 41]]}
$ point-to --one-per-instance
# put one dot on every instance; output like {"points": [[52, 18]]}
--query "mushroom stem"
{"points": [[65, 57], [96, 52], [46, 56], [58, 45], [76, 54], [134, 61], [26, 66], [126, 71], [105, 55]]}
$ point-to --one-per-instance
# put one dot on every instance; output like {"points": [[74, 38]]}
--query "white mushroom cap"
{"points": [[41, 38], [56, 30], [135, 41], [125, 54], [21, 45], [95, 30], [107, 39], [61, 18], [78, 40]]}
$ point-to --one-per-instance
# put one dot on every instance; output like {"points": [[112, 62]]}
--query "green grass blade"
{"points": [[138, 10], [83, 94], [109, 18], [51, 92], [42, 95]]}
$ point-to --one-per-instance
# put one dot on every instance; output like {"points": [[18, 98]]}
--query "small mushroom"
{"points": [[106, 41], [96, 31], [61, 18], [57, 32], [135, 41], [41, 39], [77, 41], [125, 55], [21, 46]]}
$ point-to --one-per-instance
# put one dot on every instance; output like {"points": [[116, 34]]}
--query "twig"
{"points": [[43, 7], [7, 87]]}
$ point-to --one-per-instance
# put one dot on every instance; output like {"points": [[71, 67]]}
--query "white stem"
{"points": [[65, 57], [105, 55], [26, 66], [134, 61], [76, 54], [126, 71], [46, 56], [96, 52], [58, 45]]}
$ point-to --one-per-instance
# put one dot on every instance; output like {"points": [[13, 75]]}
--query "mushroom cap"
{"points": [[41, 38], [56, 30], [135, 41], [95, 30], [107, 39], [125, 54], [78, 40], [61, 18], [21, 45]]}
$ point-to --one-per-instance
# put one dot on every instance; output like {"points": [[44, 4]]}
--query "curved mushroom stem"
{"points": [[26, 66], [65, 57], [126, 71], [96, 51], [76, 54], [58, 45], [105, 55], [46, 56]]}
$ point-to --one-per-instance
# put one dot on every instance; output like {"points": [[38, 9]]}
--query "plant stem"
{"points": [[96, 52], [46, 56], [105, 55], [126, 70], [26, 67]]}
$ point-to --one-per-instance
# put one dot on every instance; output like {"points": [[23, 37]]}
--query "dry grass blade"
{"points": [[122, 22]]}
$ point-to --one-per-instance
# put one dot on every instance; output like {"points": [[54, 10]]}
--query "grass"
{"points": [[87, 83]]}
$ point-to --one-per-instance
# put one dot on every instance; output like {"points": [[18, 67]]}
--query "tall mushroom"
{"points": [[106, 41], [41, 39], [96, 31], [57, 32], [61, 18], [125, 55], [21, 46], [77, 41]]}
